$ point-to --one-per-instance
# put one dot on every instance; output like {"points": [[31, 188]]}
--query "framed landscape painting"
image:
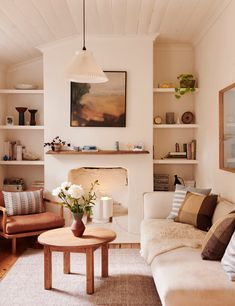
{"points": [[99, 105]]}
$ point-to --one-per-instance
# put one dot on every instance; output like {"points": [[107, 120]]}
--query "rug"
{"points": [[129, 283]]}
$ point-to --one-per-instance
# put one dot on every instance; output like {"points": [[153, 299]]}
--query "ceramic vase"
{"points": [[77, 226], [32, 116], [21, 111]]}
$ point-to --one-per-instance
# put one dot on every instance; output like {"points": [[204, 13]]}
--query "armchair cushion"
{"points": [[33, 222], [23, 203]]}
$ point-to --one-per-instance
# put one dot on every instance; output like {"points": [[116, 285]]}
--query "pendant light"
{"points": [[83, 68]]}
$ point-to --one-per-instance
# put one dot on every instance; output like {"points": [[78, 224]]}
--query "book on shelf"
{"points": [[190, 149], [176, 155]]}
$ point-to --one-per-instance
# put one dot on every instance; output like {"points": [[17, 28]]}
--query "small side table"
{"points": [[63, 240]]}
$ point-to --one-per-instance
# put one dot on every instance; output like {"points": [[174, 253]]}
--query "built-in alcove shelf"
{"points": [[175, 161], [175, 126], [100, 152], [21, 91], [21, 127], [22, 162], [167, 90]]}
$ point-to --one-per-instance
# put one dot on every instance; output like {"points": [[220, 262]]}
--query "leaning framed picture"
{"points": [[99, 105]]}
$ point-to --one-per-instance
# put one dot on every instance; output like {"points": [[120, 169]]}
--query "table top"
{"points": [[64, 238]]}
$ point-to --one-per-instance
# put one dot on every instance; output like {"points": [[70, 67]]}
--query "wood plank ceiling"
{"points": [[26, 24]]}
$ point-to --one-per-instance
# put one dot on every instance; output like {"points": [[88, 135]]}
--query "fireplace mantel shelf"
{"points": [[100, 152]]}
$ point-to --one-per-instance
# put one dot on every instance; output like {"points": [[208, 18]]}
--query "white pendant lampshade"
{"points": [[84, 69]]}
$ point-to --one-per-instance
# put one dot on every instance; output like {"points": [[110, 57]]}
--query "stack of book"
{"points": [[190, 149], [37, 184]]}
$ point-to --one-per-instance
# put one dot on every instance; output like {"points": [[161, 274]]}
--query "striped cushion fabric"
{"points": [[218, 237], [197, 210], [23, 203], [228, 260], [179, 196]]}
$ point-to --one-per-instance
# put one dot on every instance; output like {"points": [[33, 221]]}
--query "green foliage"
{"points": [[187, 83]]}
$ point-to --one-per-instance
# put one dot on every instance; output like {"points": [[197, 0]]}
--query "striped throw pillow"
{"points": [[197, 210], [228, 260], [179, 196], [23, 203], [218, 237]]}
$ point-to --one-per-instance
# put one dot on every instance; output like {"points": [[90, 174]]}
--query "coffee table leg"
{"points": [[105, 260], [89, 271], [47, 268], [66, 262]]}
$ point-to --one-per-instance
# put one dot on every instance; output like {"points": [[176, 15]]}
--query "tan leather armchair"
{"points": [[13, 227]]}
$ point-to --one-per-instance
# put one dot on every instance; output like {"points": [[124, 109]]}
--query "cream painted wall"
{"points": [[134, 55], [215, 65]]}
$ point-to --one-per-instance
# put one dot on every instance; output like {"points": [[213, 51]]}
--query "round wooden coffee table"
{"points": [[63, 240]]}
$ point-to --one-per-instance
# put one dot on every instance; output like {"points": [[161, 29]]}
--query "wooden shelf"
{"points": [[22, 162], [21, 91], [175, 161], [100, 152], [21, 127], [167, 90], [175, 126]]}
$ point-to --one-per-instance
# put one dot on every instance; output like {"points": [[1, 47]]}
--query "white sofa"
{"points": [[181, 277]]}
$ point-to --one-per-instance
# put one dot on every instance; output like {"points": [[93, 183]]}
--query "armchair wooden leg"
{"points": [[13, 246]]}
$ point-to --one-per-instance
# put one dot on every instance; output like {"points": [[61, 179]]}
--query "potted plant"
{"points": [[187, 84], [79, 203], [56, 144]]}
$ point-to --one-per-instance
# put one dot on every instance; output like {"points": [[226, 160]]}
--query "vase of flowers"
{"points": [[74, 198]]}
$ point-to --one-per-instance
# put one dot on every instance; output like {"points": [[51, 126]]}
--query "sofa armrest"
{"points": [[4, 218], [55, 203], [157, 205]]}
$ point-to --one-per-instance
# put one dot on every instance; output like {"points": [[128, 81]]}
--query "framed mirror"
{"points": [[227, 128]]}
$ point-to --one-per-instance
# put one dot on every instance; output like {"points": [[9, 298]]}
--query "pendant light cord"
{"points": [[84, 25]]}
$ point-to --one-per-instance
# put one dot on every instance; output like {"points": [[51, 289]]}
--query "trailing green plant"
{"points": [[187, 84]]}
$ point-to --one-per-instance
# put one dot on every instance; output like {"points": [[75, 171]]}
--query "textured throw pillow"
{"points": [[179, 196], [23, 203], [228, 260], [218, 237], [197, 210]]}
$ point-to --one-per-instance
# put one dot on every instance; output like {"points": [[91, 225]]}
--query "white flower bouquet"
{"points": [[74, 198]]}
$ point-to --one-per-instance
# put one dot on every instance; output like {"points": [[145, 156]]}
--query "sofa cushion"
{"points": [[197, 210], [223, 208], [183, 279], [179, 196], [33, 222], [228, 260], [218, 237], [23, 203]]}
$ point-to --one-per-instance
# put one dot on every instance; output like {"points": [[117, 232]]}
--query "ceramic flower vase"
{"points": [[21, 111], [32, 116], [77, 226]]}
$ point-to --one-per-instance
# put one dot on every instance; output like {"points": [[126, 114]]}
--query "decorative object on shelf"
{"points": [[166, 85], [21, 111], [176, 155], [178, 180], [177, 147], [117, 145], [138, 147], [161, 182], [187, 118], [83, 68], [13, 184], [170, 118], [129, 146], [9, 120], [25, 86], [90, 149], [79, 203], [32, 116], [56, 144], [187, 84], [158, 120], [27, 155], [99, 105]]}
